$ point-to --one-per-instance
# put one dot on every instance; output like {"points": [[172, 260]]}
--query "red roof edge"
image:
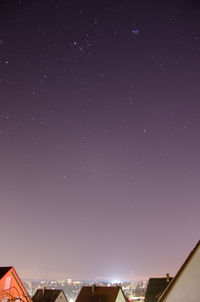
{"points": [[21, 284]]}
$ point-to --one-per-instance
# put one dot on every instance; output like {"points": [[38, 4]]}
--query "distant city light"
{"points": [[133, 290], [115, 281]]}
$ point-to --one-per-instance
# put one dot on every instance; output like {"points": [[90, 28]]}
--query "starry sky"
{"points": [[99, 137]]}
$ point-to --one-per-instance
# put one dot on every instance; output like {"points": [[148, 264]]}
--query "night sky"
{"points": [[99, 137]]}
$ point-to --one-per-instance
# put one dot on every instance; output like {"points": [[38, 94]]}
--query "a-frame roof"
{"points": [[173, 282], [5, 270], [47, 295], [99, 294]]}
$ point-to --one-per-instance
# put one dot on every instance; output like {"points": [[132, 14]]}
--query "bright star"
{"points": [[135, 31]]}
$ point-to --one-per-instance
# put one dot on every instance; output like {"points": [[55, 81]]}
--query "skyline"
{"points": [[99, 137]]}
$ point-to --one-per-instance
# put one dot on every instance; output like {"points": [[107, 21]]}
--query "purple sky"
{"points": [[99, 137]]}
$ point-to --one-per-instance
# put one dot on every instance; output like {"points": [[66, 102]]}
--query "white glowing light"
{"points": [[115, 281]]}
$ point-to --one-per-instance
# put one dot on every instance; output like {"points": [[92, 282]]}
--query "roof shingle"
{"points": [[98, 294], [46, 295], [155, 288]]}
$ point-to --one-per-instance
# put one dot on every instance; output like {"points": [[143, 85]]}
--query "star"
{"points": [[135, 31]]}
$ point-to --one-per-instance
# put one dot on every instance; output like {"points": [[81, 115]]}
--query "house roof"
{"points": [[98, 294], [4, 270], [169, 288], [47, 295], [155, 288]]}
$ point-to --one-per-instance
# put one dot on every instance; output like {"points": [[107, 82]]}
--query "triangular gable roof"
{"points": [[98, 294], [4, 270], [47, 295], [21, 284], [173, 282], [155, 288]]}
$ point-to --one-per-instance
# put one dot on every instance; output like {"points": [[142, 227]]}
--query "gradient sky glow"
{"points": [[99, 137]]}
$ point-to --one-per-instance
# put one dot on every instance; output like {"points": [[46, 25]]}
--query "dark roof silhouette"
{"points": [[47, 295], [179, 272], [4, 270], [98, 294], [155, 288]]}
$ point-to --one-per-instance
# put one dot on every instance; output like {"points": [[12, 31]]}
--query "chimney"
{"points": [[93, 289], [167, 277], [43, 290]]}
